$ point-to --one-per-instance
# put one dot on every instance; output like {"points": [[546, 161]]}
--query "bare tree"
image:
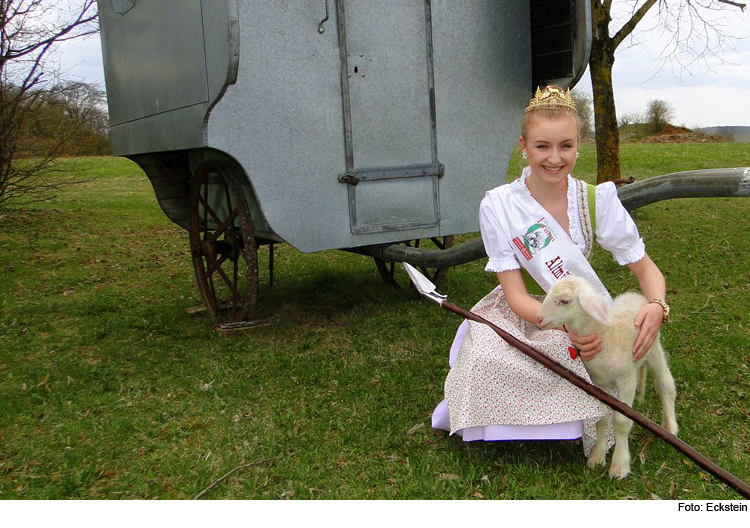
{"points": [[635, 119], [72, 121], [83, 110], [29, 32], [585, 112], [695, 36], [658, 114]]}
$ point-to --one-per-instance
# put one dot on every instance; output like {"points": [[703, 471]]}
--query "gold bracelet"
{"points": [[664, 306]]}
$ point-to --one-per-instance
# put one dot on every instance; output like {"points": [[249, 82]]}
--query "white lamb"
{"points": [[573, 302]]}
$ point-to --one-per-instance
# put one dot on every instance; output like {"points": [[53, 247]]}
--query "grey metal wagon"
{"points": [[364, 125], [326, 124]]}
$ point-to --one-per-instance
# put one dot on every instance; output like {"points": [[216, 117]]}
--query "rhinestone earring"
{"points": [[577, 154], [525, 155]]}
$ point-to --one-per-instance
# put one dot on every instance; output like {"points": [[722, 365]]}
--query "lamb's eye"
{"points": [[563, 302]]}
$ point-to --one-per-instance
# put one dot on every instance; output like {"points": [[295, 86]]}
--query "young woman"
{"points": [[544, 224]]}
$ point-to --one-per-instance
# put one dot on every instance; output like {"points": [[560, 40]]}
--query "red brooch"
{"points": [[573, 352]]}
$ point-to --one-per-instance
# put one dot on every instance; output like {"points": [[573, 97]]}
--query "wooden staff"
{"points": [[730, 480]]}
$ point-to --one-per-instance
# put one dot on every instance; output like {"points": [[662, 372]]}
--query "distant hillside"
{"points": [[737, 133], [670, 134]]}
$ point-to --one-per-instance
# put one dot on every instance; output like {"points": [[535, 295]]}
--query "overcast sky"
{"points": [[716, 94]]}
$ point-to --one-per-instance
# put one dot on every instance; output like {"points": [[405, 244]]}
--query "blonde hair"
{"points": [[549, 113]]}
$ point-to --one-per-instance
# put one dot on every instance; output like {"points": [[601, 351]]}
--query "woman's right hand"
{"points": [[588, 345]]}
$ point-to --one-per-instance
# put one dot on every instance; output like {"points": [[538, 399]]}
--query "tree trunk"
{"points": [[605, 119], [605, 115]]}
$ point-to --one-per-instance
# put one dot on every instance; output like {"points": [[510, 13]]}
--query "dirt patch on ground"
{"points": [[675, 134], [670, 134]]}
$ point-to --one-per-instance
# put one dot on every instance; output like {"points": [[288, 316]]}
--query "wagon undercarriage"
{"points": [[224, 238]]}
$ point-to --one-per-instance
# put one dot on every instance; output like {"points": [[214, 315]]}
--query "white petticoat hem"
{"points": [[494, 433]]}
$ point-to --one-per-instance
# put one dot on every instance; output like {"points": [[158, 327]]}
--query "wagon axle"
{"points": [[213, 250]]}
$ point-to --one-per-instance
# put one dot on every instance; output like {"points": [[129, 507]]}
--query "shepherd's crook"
{"points": [[427, 289]]}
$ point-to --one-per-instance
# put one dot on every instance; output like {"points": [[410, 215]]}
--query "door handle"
{"points": [[321, 29]]}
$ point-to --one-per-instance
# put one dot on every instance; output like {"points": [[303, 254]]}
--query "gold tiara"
{"points": [[551, 97]]}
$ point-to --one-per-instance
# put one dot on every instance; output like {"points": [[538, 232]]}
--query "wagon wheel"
{"points": [[222, 243], [387, 268]]}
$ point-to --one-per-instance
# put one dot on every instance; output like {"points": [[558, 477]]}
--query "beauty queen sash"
{"points": [[540, 244]]}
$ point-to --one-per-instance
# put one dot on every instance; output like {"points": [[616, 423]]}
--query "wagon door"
{"points": [[389, 115]]}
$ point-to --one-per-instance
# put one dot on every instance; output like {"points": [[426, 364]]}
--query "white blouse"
{"points": [[615, 229]]}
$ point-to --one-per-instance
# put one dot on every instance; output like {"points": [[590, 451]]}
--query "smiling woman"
{"points": [[543, 224], [551, 147]]}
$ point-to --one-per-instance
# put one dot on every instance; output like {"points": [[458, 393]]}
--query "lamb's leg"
{"points": [[657, 364], [598, 454], [620, 467], [642, 374]]}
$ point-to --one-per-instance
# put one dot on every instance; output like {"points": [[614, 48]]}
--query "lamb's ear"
{"points": [[596, 306]]}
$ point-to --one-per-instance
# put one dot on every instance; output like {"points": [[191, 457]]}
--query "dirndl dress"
{"points": [[495, 392]]}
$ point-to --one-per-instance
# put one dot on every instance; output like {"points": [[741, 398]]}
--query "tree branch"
{"points": [[630, 25], [60, 34], [243, 466], [735, 4]]}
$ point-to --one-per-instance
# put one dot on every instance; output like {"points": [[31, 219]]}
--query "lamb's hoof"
{"points": [[619, 470], [671, 427], [596, 458]]}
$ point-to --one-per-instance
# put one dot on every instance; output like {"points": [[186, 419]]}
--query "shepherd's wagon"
{"points": [[362, 125], [326, 124]]}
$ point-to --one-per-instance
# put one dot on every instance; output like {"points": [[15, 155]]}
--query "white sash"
{"points": [[540, 244]]}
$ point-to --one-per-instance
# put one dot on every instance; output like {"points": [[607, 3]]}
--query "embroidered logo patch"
{"points": [[536, 238]]}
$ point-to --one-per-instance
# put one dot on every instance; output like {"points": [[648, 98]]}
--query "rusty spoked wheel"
{"points": [[222, 243], [387, 269]]}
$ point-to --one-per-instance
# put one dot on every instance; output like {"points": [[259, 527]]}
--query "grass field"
{"points": [[109, 390]]}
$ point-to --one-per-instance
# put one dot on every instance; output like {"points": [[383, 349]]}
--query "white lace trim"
{"points": [[631, 256], [574, 222], [498, 265]]}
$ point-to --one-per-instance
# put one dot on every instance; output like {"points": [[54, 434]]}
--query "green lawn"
{"points": [[110, 390]]}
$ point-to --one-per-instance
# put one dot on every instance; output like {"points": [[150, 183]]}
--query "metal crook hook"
{"points": [[321, 29]]}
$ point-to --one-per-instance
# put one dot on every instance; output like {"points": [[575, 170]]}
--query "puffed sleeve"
{"points": [[615, 229], [496, 239]]}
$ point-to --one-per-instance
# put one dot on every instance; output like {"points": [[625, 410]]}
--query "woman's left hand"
{"points": [[649, 321]]}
